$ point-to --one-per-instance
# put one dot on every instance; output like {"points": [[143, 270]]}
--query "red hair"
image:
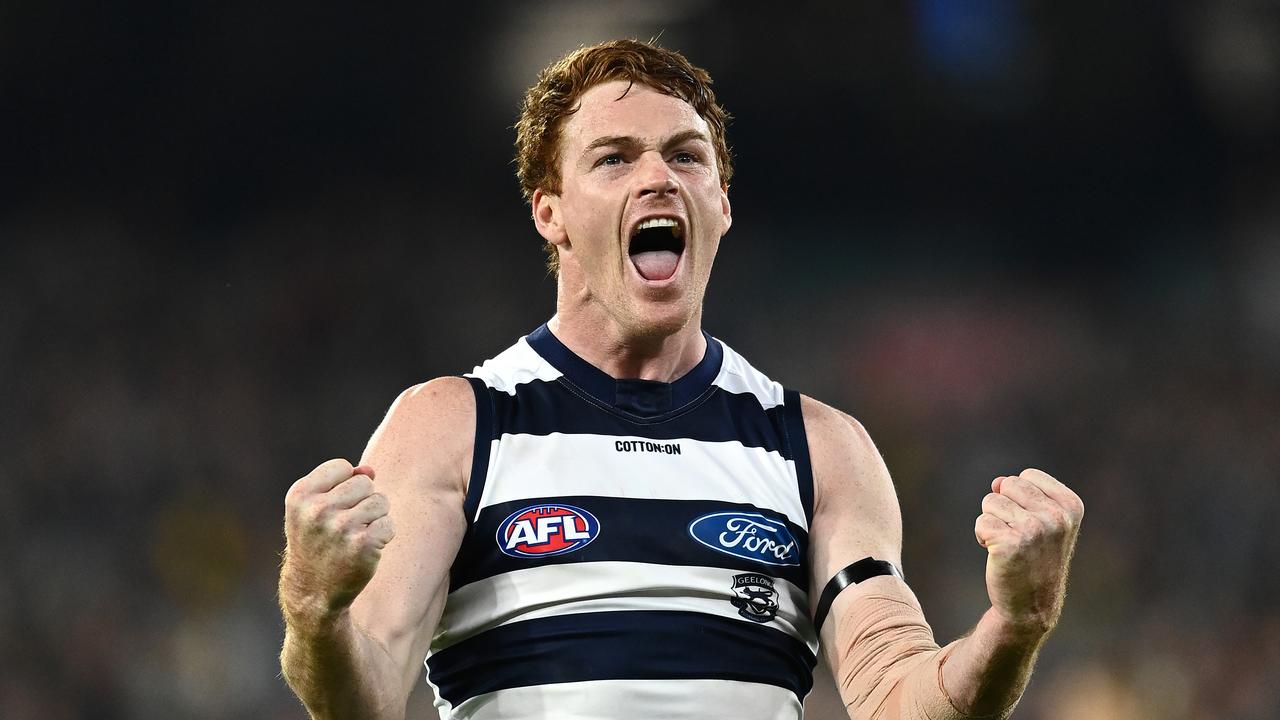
{"points": [[557, 94]]}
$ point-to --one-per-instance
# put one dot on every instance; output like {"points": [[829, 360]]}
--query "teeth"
{"points": [[660, 222]]}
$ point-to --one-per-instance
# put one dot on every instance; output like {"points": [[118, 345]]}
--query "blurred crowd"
{"points": [[1000, 234]]}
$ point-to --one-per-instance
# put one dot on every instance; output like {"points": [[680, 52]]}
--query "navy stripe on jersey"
{"points": [[480, 452], [631, 530], [543, 408], [798, 442], [605, 389], [636, 645]]}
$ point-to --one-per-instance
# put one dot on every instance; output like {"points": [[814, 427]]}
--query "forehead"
{"points": [[643, 113]]}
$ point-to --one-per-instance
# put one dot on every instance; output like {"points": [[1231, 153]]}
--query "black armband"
{"points": [[865, 568]]}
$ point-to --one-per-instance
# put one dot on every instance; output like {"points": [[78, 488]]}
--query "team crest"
{"points": [[546, 530], [755, 597]]}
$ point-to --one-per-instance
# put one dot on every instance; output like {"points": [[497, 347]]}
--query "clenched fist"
{"points": [[335, 527], [1028, 525]]}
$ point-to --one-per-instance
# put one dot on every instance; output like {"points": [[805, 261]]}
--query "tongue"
{"points": [[656, 264]]}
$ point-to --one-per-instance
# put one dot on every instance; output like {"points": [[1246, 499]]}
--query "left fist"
{"points": [[1029, 525]]}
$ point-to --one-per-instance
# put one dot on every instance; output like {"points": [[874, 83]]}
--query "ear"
{"points": [[547, 218], [725, 208]]}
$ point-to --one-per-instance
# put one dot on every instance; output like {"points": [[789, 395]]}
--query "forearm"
{"points": [[337, 671], [890, 667], [988, 670]]}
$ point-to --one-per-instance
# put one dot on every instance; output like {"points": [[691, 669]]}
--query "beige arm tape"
{"points": [[890, 668]]}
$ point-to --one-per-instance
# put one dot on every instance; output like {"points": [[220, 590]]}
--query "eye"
{"points": [[613, 159], [684, 157]]}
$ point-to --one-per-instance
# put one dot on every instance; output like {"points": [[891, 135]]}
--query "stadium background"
{"points": [[1000, 233]]}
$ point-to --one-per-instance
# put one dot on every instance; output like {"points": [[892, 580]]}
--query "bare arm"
{"points": [[882, 651], [1028, 525], [360, 608]]}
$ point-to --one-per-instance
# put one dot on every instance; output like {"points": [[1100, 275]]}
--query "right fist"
{"points": [[335, 528]]}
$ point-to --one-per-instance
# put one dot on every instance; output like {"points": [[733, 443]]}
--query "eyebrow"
{"points": [[631, 143]]}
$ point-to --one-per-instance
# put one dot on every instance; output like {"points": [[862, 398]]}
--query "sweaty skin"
{"points": [[369, 548]]}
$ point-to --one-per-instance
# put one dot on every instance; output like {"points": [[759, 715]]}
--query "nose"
{"points": [[654, 176]]}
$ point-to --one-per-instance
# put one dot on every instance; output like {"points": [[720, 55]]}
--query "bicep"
{"points": [[421, 456], [856, 512], [855, 507]]}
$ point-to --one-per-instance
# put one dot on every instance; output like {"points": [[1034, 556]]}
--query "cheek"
{"points": [[594, 236], [709, 257], [713, 212], [589, 221]]}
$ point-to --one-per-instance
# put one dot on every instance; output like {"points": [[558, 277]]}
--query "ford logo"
{"points": [[749, 536]]}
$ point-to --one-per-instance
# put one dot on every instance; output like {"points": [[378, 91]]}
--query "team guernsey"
{"points": [[634, 549]]}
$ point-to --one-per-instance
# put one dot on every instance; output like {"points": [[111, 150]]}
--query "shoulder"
{"points": [[821, 417], [839, 445], [855, 505], [442, 403], [429, 426], [441, 398]]}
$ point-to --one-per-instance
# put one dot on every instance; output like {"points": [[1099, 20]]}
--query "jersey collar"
{"points": [[643, 398]]}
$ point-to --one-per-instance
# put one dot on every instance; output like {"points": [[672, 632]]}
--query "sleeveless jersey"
{"points": [[634, 549]]}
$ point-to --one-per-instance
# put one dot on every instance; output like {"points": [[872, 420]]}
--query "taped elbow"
{"points": [[890, 667]]}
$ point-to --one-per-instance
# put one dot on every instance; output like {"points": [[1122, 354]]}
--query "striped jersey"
{"points": [[633, 548]]}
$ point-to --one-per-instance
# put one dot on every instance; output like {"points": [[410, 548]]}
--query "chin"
{"points": [[657, 321]]}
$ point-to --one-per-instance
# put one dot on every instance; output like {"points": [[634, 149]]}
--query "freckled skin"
{"points": [[355, 638], [604, 191]]}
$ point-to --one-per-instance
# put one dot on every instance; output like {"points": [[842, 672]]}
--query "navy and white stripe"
{"points": [[641, 618]]}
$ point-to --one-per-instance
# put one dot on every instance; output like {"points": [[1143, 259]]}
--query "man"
{"points": [[619, 516]]}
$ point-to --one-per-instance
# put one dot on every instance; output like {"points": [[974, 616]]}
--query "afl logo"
{"points": [[750, 536], [546, 530]]}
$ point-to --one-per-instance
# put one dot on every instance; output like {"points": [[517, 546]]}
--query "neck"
{"points": [[606, 344]]}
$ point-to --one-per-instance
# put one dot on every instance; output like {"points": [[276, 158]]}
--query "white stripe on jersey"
{"points": [[608, 587], [533, 467], [737, 376], [520, 364], [514, 366], [665, 699], [555, 465]]}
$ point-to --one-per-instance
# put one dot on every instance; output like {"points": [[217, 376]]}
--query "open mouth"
{"points": [[655, 249]]}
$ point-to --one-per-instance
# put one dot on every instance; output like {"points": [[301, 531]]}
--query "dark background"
{"points": [[1002, 234]]}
